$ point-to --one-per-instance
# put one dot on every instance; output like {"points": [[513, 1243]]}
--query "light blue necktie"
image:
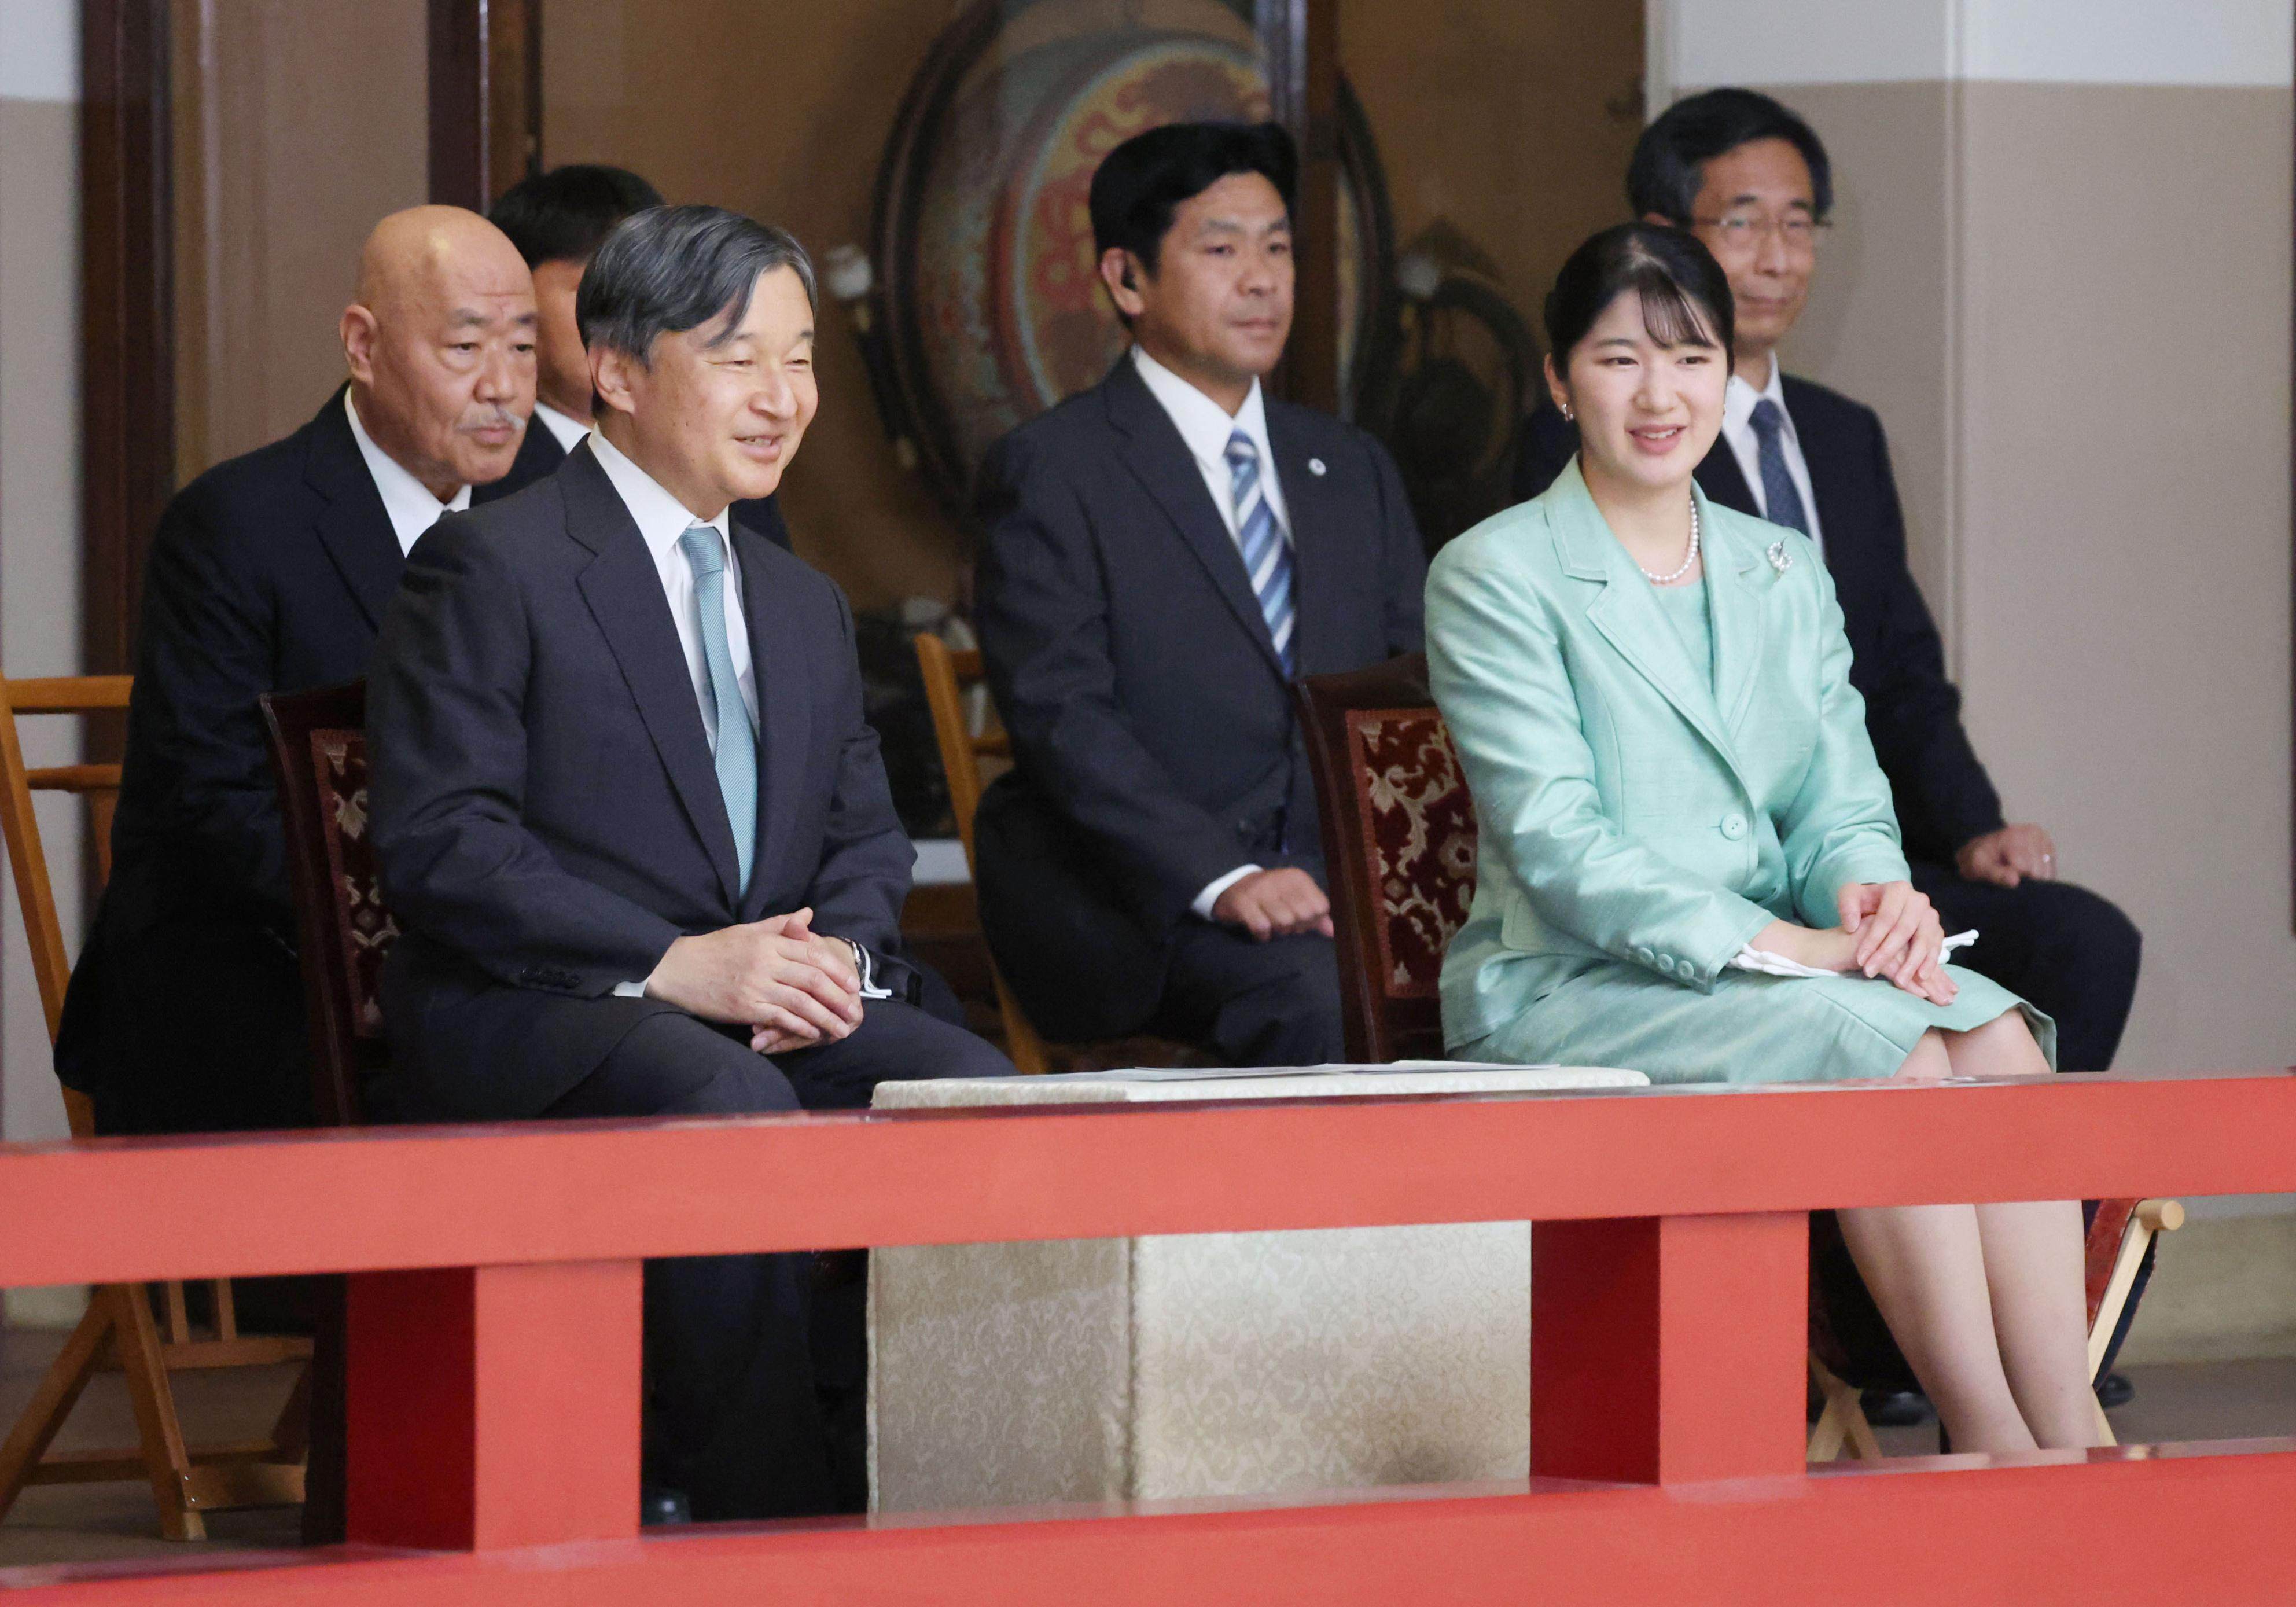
{"points": [[737, 744], [1266, 555], [1781, 501]]}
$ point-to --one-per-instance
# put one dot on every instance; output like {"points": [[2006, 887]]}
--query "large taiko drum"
{"points": [[986, 291]]}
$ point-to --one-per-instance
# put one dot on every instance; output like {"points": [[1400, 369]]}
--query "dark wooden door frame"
{"points": [[485, 130], [127, 319], [1299, 50]]}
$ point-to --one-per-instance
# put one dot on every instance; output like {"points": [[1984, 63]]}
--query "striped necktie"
{"points": [[1781, 502], [737, 744], [1267, 554]]}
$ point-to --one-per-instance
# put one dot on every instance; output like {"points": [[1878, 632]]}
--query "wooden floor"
{"points": [[88, 1522]]}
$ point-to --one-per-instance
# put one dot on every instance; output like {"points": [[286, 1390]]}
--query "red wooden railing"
{"points": [[493, 1344]]}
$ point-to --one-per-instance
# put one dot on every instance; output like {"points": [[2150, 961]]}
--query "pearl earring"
{"points": [[1568, 416]]}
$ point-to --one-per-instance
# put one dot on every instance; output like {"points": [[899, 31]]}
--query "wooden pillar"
{"points": [[1299, 48], [127, 361], [1669, 1349], [494, 1407], [486, 98]]}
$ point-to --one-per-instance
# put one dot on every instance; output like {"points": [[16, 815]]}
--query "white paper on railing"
{"points": [[1762, 960]]}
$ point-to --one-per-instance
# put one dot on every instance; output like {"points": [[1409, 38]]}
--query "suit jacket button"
{"points": [[1644, 956], [1733, 826]]}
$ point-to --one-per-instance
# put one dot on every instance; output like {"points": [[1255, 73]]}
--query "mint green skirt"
{"points": [[1751, 1028]]}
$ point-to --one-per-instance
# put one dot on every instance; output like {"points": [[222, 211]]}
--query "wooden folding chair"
{"points": [[1399, 843], [120, 1330], [949, 676]]}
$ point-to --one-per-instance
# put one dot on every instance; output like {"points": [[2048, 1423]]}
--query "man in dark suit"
{"points": [[1751, 180], [271, 573], [633, 825], [556, 220], [1162, 556]]}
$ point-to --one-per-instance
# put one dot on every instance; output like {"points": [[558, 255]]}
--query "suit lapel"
{"points": [[1629, 618], [1160, 462], [1315, 514], [1721, 479], [1734, 584], [353, 527], [623, 589], [784, 674]]}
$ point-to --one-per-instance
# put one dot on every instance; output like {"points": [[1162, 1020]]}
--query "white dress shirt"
{"points": [[662, 521], [565, 426], [1205, 427], [411, 508], [1738, 429]]}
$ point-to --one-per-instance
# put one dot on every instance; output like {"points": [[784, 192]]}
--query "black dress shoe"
{"points": [[658, 1505], [2114, 1390], [1895, 1408]]}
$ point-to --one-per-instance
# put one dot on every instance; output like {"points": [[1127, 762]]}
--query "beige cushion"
{"points": [[1203, 1365]]}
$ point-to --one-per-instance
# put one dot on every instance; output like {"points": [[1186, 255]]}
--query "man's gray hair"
{"points": [[669, 270]]}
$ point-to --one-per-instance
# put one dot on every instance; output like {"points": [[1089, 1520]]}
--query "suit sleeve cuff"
{"points": [[1210, 895]]}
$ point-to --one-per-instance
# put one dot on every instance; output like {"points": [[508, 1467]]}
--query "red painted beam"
{"points": [[2207, 1528], [480, 1196]]}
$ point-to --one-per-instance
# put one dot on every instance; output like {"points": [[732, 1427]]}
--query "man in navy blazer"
{"points": [[556, 220], [271, 573], [634, 825], [1751, 180], [1162, 556]]}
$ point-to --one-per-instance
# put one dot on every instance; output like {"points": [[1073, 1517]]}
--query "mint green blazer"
{"points": [[1642, 818]]}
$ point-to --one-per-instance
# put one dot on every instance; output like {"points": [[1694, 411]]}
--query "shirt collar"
{"points": [[408, 502], [1738, 399], [661, 518], [567, 429], [1203, 425]]}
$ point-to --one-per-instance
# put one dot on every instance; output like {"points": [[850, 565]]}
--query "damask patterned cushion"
{"points": [[363, 926], [1420, 838]]}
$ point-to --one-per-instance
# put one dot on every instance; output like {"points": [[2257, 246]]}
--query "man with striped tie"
{"points": [[636, 832], [1162, 556]]}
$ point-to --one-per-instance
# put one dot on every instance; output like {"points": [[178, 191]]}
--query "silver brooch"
{"points": [[1314, 465], [1780, 559]]}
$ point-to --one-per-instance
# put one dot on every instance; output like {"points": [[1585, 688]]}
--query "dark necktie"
{"points": [[1779, 497]]}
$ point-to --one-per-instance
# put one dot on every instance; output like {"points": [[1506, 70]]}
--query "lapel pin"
{"points": [[1780, 559], [1314, 465]]}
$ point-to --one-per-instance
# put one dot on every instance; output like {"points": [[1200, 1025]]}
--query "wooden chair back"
{"points": [[948, 674], [1398, 848], [99, 783], [343, 930]]}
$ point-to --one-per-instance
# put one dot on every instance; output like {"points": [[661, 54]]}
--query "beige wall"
{"points": [[784, 111], [298, 123], [2124, 515], [39, 490]]}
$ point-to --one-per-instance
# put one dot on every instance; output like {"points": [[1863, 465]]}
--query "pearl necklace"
{"points": [[1689, 558]]}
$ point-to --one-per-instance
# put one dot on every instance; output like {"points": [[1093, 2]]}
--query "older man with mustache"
{"points": [[270, 573]]}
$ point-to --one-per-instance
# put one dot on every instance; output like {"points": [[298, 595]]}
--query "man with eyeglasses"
{"points": [[1751, 180]]}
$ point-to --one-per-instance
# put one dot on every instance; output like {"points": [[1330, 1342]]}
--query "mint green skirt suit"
{"points": [[1654, 783]]}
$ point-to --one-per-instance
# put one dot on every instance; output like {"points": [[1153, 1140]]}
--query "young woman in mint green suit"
{"points": [[1650, 698]]}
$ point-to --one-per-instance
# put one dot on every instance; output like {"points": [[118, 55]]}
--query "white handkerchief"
{"points": [[1762, 960]]}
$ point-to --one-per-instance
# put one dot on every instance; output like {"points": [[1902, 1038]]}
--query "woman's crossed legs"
{"points": [[1987, 1301]]}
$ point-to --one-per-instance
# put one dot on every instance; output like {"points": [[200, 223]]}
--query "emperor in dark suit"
{"points": [[271, 573], [1711, 165], [1161, 555], [634, 825]]}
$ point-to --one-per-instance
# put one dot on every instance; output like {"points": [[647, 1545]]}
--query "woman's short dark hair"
{"points": [[1140, 184], [1669, 160], [1685, 293], [676, 268], [562, 214]]}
